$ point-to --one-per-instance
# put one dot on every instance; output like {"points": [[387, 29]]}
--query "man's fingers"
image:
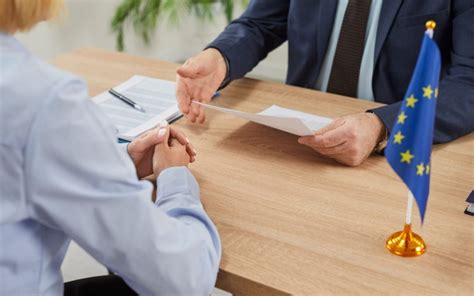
{"points": [[182, 96], [333, 125], [330, 139], [195, 109], [305, 140], [190, 70], [336, 150], [324, 138], [202, 115], [191, 116], [208, 93], [327, 140]]}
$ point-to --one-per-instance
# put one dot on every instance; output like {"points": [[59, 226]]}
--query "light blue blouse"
{"points": [[63, 177]]}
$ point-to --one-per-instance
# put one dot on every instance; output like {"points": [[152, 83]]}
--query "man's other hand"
{"points": [[198, 80], [349, 139]]}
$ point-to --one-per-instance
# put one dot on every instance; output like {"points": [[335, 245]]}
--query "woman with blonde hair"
{"points": [[63, 177]]}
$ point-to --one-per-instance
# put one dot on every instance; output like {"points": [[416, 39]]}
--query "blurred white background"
{"points": [[86, 23]]}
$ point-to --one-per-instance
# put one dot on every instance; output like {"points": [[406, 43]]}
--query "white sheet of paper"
{"points": [[288, 120], [156, 96]]}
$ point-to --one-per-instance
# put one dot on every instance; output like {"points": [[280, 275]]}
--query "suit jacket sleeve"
{"points": [[248, 39], [454, 114]]}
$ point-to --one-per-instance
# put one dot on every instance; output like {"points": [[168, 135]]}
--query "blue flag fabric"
{"points": [[409, 148]]}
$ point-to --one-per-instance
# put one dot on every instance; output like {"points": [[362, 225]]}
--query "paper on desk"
{"points": [[155, 95], [290, 121]]}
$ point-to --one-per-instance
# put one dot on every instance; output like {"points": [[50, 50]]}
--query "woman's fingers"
{"points": [[183, 140]]}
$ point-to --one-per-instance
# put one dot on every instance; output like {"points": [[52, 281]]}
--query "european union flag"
{"points": [[409, 148]]}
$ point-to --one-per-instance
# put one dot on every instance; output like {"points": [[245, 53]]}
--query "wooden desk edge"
{"points": [[238, 285]]}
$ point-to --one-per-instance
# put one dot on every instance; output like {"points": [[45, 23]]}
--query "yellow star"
{"points": [[402, 117], [406, 156], [427, 170], [398, 137], [411, 101], [436, 92], [420, 169], [427, 92]]}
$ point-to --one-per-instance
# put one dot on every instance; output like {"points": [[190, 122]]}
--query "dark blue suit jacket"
{"points": [[307, 25]]}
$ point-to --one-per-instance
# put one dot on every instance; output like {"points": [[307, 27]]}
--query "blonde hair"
{"points": [[22, 15]]}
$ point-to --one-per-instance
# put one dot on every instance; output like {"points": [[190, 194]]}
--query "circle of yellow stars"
{"points": [[407, 156]]}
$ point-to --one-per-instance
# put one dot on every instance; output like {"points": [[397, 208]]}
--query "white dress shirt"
{"points": [[63, 177], [364, 89]]}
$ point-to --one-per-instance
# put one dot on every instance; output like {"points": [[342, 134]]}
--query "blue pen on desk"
{"points": [[126, 100]]}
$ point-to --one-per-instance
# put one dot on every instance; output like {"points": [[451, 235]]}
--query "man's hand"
{"points": [[198, 79], [141, 149], [169, 153], [349, 139]]}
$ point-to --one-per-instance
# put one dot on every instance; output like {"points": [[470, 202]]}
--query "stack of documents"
{"points": [[157, 97]]}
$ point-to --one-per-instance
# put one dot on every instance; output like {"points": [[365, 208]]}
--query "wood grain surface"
{"points": [[293, 222]]}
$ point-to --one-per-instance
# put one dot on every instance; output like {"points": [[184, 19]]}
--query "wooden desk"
{"points": [[293, 222]]}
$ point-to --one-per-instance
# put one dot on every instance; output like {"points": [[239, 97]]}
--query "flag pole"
{"points": [[409, 208], [406, 243]]}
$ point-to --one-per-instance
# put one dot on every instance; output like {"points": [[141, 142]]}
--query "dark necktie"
{"points": [[344, 76]]}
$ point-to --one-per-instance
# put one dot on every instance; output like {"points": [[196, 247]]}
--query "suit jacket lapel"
{"points": [[387, 16]]}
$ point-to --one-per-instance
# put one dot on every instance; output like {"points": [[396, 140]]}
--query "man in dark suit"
{"points": [[359, 48]]}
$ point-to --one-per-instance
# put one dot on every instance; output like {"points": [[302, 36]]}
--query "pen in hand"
{"points": [[126, 100]]}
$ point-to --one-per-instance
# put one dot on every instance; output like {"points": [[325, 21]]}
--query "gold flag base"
{"points": [[406, 243]]}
